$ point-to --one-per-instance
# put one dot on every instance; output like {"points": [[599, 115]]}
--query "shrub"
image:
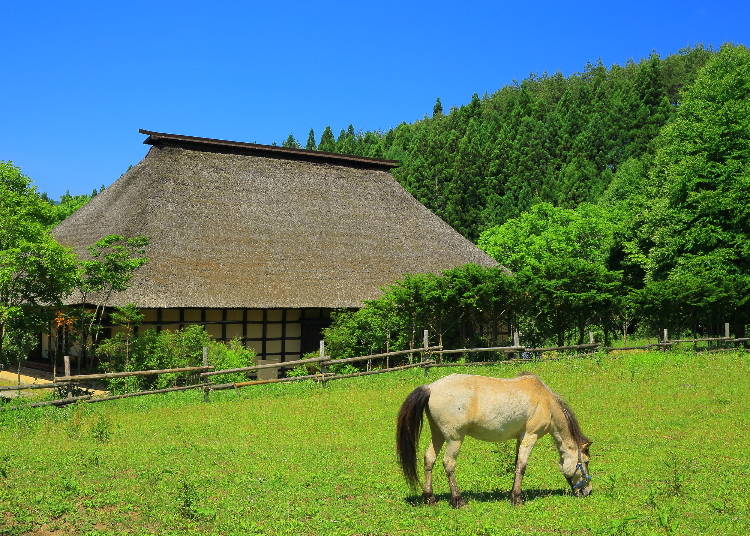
{"points": [[229, 356], [170, 349]]}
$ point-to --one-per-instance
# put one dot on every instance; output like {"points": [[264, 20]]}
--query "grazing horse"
{"points": [[490, 409]]}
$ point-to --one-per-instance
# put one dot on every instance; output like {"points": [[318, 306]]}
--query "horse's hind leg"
{"points": [[430, 456], [452, 447]]}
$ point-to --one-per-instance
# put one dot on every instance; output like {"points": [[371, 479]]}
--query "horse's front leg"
{"points": [[452, 447], [523, 450]]}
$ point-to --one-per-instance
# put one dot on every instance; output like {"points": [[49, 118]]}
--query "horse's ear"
{"points": [[586, 445]]}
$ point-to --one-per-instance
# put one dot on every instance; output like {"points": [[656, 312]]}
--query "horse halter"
{"points": [[585, 476]]}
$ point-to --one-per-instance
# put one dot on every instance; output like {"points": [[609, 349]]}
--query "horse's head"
{"points": [[576, 470]]}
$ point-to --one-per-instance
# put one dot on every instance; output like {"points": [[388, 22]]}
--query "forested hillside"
{"points": [[617, 197], [547, 138]]}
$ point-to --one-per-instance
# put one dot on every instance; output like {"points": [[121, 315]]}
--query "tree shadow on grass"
{"points": [[490, 496]]}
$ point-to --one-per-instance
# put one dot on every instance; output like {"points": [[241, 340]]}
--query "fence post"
{"points": [[323, 368], [206, 389], [516, 344], [425, 353], [726, 344], [665, 340], [66, 361]]}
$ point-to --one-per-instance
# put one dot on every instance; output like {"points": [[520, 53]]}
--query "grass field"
{"points": [[671, 455]]}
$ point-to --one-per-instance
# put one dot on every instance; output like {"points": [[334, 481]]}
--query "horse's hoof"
{"points": [[429, 499], [458, 502]]}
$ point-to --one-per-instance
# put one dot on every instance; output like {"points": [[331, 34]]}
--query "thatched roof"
{"points": [[246, 225]]}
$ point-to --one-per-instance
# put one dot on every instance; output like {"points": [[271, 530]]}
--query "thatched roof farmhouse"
{"points": [[260, 242]]}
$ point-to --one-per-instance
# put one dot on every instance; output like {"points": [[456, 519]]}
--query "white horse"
{"points": [[490, 409]]}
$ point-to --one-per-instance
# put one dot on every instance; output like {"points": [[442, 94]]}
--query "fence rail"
{"points": [[425, 353], [265, 366], [499, 349], [24, 386], [435, 349], [108, 375]]}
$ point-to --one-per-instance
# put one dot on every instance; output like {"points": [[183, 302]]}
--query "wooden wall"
{"points": [[276, 335]]}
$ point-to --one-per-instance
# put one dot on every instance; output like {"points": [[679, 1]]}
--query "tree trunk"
{"points": [[739, 326], [581, 332], [606, 335]]}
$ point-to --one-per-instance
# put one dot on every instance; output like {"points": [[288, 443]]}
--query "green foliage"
{"points": [[35, 271], [188, 503], [126, 318], [230, 355], [68, 204], [153, 350], [114, 259], [327, 141], [311, 145], [692, 239], [547, 232], [101, 431], [291, 142], [437, 109], [111, 264], [561, 258], [466, 305]]}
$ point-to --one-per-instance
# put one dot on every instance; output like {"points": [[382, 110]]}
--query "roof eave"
{"points": [[217, 145]]}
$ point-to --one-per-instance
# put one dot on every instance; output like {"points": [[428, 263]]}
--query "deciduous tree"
{"points": [[36, 272]]}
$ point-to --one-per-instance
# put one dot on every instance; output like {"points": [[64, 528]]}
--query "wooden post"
{"points": [[591, 337], [323, 368], [425, 353], [388, 349], [66, 361], [665, 340], [516, 344], [206, 389], [726, 336]]}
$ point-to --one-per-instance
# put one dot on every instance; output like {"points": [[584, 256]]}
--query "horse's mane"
{"points": [[573, 426], [570, 417]]}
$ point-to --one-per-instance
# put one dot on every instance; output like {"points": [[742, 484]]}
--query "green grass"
{"points": [[670, 456]]}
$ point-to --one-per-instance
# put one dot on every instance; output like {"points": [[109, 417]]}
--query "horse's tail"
{"points": [[408, 427]]}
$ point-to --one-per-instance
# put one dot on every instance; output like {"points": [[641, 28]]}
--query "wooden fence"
{"points": [[429, 357]]}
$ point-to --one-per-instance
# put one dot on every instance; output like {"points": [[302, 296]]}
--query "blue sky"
{"points": [[80, 79]]}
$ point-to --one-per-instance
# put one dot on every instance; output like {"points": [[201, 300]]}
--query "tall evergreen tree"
{"points": [[311, 145], [291, 142], [327, 141], [437, 109]]}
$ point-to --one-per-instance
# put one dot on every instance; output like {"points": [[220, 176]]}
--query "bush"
{"points": [[229, 356], [466, 306], [169, 349]]}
